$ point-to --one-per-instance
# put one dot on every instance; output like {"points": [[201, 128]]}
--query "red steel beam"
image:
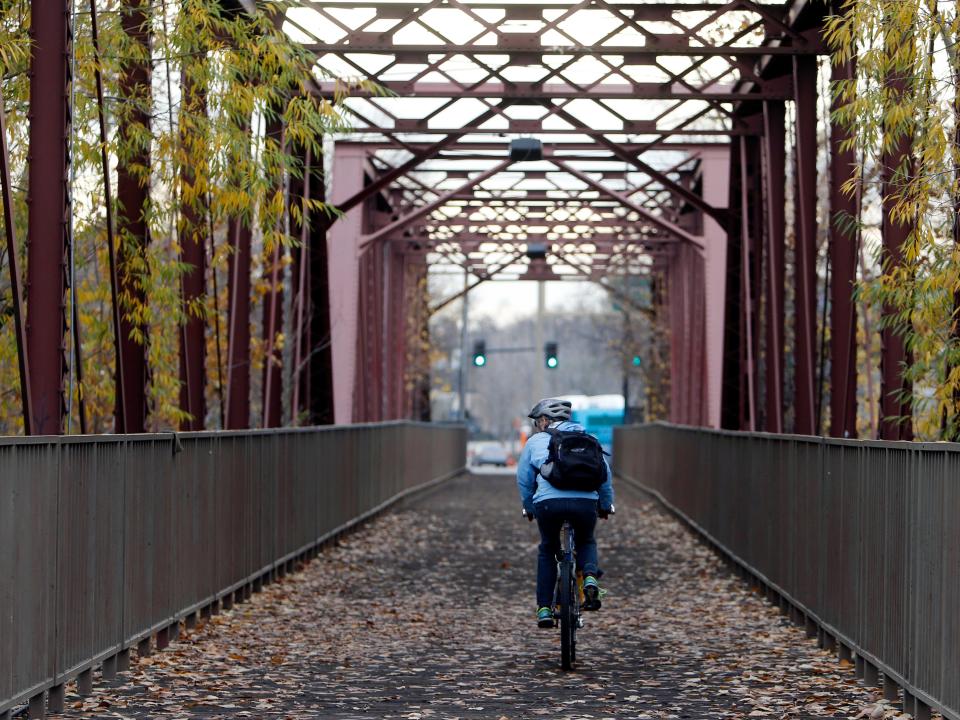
{"points": [[272, 385], [648, 216], [805, 255], [238, 337], [843, 277], [561, 91], [631, 54], [133, 194], [193, 341], [419, 212], [49, 207], [389, 177], [896, 422], [13, 265], [746, 303], [774, 143]]}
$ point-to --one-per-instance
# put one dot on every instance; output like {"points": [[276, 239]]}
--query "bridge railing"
{"points": [[859, 540], [109, 541]]}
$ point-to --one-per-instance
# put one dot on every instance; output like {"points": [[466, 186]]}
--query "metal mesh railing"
{"points": [[107, 541], [860, 540]]}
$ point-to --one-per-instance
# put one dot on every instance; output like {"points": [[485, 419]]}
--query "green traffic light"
{"points": [[552, 362], [480, 361], [637, 361]]}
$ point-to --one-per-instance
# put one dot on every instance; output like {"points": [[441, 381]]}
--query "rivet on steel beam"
{"points": [[143, 648], [123, 660], [109, 668], [85, 683], [55, 699], [38, 706]]}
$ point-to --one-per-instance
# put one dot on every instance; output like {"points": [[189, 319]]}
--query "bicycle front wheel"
{"points": [[568, 616]]}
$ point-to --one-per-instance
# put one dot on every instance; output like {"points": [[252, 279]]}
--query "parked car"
{"points": [[492, 454]]}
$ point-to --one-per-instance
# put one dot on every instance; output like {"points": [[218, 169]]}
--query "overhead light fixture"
{"points": [[526, 149], [537, 250]]}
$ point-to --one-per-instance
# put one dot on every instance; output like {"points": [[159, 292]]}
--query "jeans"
{"points": [[550, 515]]}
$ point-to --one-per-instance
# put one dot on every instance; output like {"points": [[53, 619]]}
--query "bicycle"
{"points": [[567, 596]]}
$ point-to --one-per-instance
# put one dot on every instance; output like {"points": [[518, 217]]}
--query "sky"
{"points": [[504, 302]]}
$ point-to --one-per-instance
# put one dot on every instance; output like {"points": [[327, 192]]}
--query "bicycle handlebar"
{"points": [[603, 514]]}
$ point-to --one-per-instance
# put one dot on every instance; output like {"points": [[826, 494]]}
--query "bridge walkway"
{"points": [[427, 612]]}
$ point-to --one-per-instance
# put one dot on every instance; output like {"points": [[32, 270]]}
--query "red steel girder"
{"points": [[843, 277], [193, 283], [13, 265], [564, 91], [375, 44], [896, 422], [774, 143], [272, 385], [805, 272], [419, 212], [238, 332], [648, 216], [49, 208], [133, 194]]}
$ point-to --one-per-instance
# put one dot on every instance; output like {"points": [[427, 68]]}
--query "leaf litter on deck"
{"points": [[428, 612]]}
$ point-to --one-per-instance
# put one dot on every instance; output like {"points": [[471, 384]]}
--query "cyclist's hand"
{"points": [[604, 513], [528, 516]]}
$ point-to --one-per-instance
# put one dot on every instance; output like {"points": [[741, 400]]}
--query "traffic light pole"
{"points": [[538, 338], [463, 346]]}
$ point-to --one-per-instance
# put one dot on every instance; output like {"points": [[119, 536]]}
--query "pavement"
{"points": [[428, 612]]}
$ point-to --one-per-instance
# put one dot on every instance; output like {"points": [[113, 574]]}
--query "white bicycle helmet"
{"points": [[552, 408]]}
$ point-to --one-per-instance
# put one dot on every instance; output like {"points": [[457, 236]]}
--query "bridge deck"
{"points": [[427, 613]]}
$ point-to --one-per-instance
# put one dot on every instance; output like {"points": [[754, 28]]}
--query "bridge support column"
{"points": [[774, 151], [343, 247], [133, 196], [843, 276], [893, 353], [49, 207], [715, 164], [687, 311], [193, 283], [238, 320], [805, 247]]}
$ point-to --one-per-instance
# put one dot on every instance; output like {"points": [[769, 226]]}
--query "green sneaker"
{"points": [[545, 617], [591, 593]]}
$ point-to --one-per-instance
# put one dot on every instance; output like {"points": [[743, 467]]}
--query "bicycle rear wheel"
{"points": [[568, 615]]}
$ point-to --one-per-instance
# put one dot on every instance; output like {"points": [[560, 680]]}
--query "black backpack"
{"points": [[577, 461]]}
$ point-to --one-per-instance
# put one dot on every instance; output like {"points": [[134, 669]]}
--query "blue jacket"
{"points": [[534, 488]]}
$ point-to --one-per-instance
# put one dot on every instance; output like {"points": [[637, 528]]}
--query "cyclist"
{"points": [[551, 506]]}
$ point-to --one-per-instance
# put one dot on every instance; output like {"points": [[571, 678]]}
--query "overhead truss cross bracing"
{"points": [[661, 157]]}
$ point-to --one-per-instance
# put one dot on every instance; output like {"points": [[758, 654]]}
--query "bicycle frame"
{"points": [[566, 598]]}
